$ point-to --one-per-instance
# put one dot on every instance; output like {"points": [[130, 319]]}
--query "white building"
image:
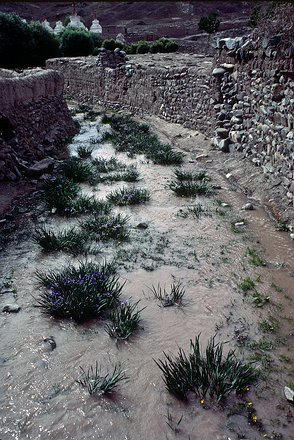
{"points": [[58, 28], [75, 22], [96, 28], [47, 26]]}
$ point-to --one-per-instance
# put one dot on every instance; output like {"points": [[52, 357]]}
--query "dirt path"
{"points": [[209, 256]]}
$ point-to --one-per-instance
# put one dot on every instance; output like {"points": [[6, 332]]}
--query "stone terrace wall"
{"points": [[254, 107], [178, 95], [34, 119]]}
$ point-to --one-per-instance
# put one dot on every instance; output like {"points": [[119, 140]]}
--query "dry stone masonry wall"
{"points": [[254, 105], [178, 94], [34, 119]]}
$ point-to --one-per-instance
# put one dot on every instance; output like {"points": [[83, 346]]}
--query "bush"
{"points": [[45, 44], [109, 44], [143, 47], [76, 42]]}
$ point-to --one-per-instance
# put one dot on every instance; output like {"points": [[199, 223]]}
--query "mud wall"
{"points": [[253, 89], [180, 95], [34, 119]]}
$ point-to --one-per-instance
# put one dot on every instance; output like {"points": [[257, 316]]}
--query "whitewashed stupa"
{"points": [[120, 39], [75, 22], [47, 26], [96, 27], [58, 28]]}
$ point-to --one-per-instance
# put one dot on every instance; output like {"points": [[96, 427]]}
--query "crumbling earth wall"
{"points": [[180, 95], [34, 119]]}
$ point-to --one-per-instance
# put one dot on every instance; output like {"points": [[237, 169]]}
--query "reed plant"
{"points": [[106, 227], [210, 372], [77, 170], [85, 151], [59, 193], [125, 320], [169, 298], [128, 196], [69, 240], [79, 293], [101, 383]]}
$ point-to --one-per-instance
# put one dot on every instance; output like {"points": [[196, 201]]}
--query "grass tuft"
{"points": [[105, 228], [77, 170], [70, 240], [247, 284], [128, 196], [190, 184], [79, 293], [98, 383], [124, 320], [136, 138], [254, 258], [168, 299], [209, 372], [58, 193], [85, 151]]}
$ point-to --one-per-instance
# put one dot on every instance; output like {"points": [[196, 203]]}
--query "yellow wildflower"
{"points": [[254, 418], [202, 401]]}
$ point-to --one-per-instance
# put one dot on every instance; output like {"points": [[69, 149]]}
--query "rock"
{"points": [[248, 207], [142, 225], [289, 394], [224, 145], [218, 71], [49, 343], [11, 308], [292, 236], [223, 133], [41, 167]]}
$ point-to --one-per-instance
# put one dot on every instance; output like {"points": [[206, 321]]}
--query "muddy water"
{"points": [[39, 397]]}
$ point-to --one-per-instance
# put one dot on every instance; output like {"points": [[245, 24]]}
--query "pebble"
{"points": [[11, 308], [142, 225], [248, 207], [49, 343], [289, 394], [238, 224], [292, 236]]}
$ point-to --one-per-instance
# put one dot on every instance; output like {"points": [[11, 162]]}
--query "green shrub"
{"points": [[143, 47], [76, 42], [45, 44], [109, 44]]}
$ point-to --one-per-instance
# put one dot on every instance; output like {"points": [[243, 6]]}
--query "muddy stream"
{"points": [[40, 399]]}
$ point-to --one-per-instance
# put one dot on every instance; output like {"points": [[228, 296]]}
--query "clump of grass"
{"points": [[124, 320], [84, 151], [183, 175], [210, 372], [98, 383], [70, 240], [187, 188], [79, 293], [87, 205], [129, 196], [58, 193], [254, 258], [260, 300], [247, 284], [173, 424], [269, 326], [190, 184], [136, 138], [103, 165], [77, 170], [130, 175], [283, 227], [196, 211], [104, 227], [171, 298]]}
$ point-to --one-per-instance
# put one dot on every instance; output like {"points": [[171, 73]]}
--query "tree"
{"points": [[45, 44], [16, 42], [76, 42], [209, 23]]}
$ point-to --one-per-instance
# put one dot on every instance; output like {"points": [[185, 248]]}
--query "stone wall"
{"points": [[253, 89], [177, 94], [34, 119]]}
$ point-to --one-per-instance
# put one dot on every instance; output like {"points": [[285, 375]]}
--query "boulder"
{"points": [[41, 167]]}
